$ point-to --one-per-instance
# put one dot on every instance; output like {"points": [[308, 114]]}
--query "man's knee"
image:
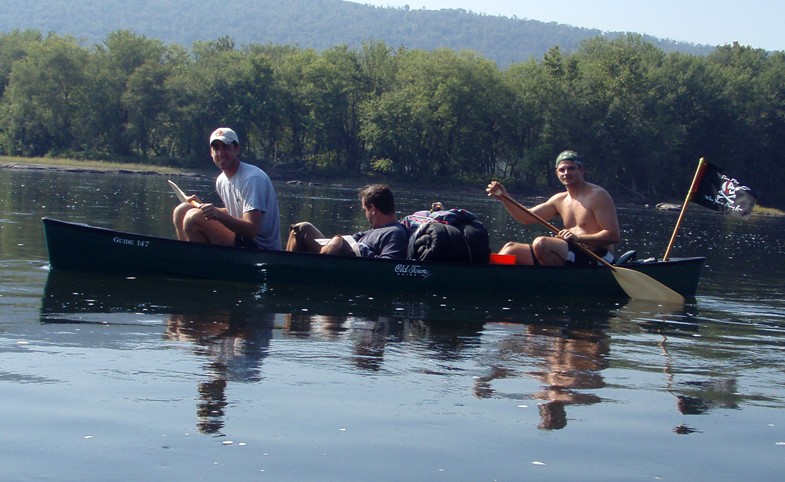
{"points": [[550, 250], [509, 247], [302, 237], [178, 215], [540, 242], [522, 252], [193, 218], [542, 245], [297, 227], [303, 230], [337, 246]]}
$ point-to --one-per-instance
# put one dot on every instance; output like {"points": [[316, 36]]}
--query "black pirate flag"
{"points": [[724, 194]]}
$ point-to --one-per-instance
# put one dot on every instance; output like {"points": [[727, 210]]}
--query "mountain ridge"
{"points": [[318, 24]]}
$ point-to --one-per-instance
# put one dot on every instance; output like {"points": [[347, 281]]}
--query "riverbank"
{"points": [[78, 165]]}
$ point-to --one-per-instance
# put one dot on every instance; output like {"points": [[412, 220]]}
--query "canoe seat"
{"points": [[626, 257]]}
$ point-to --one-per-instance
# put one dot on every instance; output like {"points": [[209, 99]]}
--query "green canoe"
{"points": [[85, 248]]}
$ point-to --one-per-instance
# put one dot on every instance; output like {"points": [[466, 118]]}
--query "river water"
{"points": [[113, 378]]}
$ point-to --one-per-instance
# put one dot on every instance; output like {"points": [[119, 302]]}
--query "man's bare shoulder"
{"points": [[596, 191], [557, 198], [557, 204]]}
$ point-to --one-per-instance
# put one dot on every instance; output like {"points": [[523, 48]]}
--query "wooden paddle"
{"points": [[180, 194], [637, 285]]}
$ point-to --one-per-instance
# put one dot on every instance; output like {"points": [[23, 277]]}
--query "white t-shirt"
{"points": [[250, 188]]}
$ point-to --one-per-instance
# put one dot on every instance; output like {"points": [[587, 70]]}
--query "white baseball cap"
{"points": [[225, 135]]}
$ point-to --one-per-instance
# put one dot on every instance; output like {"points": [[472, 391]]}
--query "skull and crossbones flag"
{"points": [[723, 193]]}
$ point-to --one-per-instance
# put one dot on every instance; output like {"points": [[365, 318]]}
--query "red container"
{"points": [[502, 258]]}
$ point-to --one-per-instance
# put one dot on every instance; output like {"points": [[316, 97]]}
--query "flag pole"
{"points": [[693, 188]]}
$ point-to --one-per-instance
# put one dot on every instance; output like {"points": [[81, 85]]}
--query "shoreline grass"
{"points": [[66, 163], [766, 211]]}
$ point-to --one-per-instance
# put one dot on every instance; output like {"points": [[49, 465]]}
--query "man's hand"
{"points": [[496, 189], [210, 211], [567, 235]]}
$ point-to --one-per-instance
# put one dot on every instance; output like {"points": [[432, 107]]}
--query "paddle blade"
{"points": [[639, 286], [177, 191]]}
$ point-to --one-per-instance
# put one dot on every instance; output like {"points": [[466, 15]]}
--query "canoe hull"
{"points": [[84, 248]]}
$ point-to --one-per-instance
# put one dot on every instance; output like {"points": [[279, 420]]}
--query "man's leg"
{"points": [[522, 252], [302, 237], [550, 251], [178, 218], [337, 246], [199, 229]]}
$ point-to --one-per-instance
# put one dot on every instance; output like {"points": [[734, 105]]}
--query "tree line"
{"points": [[640, 116]]}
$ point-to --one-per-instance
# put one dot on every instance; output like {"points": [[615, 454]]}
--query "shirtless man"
{"points": [[587, 211]]}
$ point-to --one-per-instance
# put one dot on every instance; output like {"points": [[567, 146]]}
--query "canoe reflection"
{"points": [[231, 326], [565, 348]]}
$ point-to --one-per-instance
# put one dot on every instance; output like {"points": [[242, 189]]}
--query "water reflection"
{"points": [[230, 326], [233, 343], [697, 397], [220, 321], [659, 318], [564, 349], [572, 367], [567, 360], [369, 337], [370, 334], [716, 371]]}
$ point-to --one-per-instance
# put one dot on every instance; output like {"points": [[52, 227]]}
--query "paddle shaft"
{"points": [[555, 230]]}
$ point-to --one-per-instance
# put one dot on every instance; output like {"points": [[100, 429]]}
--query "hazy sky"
{"points": [[757, 23]]}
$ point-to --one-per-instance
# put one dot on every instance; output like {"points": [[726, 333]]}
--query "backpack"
{"points": [[447, 235]]}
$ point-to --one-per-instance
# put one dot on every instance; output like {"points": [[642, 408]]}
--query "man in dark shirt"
{"points": [[387, 238]]}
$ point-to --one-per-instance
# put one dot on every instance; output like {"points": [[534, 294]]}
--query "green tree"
{"points": [[290, 74], [692, 97], [771, 83], [113, 66], [334, 89], [378, 64], [541, 114], [43, 103], [441, 115], [14, 46], [144, 100], [221, 86], [622, 131], [745, 102], [202, 96]]}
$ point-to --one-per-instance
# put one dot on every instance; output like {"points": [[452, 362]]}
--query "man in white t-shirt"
{"points": [[250, 217]]}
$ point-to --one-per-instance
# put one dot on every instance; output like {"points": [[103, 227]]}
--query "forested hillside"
{"points": [[318, 24], [641, 117]]}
